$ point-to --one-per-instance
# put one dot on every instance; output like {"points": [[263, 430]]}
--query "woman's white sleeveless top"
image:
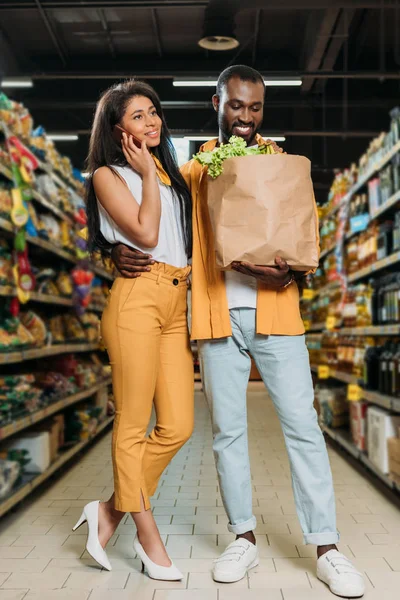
{"points": [[170, 248]]}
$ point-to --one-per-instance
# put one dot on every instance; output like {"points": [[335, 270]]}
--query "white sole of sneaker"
{"points": [[347, 594], [232, 578]]}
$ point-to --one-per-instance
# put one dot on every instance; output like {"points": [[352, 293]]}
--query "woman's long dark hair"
{"points": [[104, 151]]}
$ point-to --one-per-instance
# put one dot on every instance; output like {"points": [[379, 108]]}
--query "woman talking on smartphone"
{"points": [[137, 196]]}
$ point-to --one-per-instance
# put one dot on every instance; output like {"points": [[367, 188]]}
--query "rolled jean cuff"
{"points": [[244, 527], [322, 539]]}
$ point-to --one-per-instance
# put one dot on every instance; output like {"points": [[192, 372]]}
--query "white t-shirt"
{"points": [[241, 290], [171, 247]]}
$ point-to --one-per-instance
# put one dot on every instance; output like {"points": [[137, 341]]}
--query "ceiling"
{"points": [[347, 52]]}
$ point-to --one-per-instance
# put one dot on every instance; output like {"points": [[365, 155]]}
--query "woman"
{"points": [[137, 196]]}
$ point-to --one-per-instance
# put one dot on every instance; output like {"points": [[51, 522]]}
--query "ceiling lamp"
{"points": [[270, 82], [16, 82], [206, 137], [219, 26], [63, 137]]}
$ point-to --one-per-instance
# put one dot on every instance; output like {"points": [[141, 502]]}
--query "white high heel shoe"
{"points": [[90, 514], [156, 571]]}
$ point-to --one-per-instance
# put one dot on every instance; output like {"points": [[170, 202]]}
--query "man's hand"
{"points": [[274, 277], [130, 262]]}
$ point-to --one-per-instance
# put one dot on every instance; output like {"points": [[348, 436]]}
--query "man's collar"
{"points": [[211, 144]]}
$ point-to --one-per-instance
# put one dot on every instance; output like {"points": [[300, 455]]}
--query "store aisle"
{"points": [[40, 558]]}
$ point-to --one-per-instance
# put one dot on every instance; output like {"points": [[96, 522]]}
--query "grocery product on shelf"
{"points": [[381, 426], [354, 304], [358, 423], [333, 407], [46, 310]]}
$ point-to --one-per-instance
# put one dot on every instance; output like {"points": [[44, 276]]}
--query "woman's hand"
{"points": [[139, 159]]}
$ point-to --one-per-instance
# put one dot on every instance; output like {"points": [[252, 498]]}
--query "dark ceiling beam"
{"points": [[291, 133], [341, 36], [314, 103], [8, 61], [256, 36], [273, 5], [51, 31], [322, 40], [169, 72], [157, 33], [107, 31]]}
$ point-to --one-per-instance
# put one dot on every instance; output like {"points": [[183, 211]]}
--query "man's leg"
{"points": [[225, 367], [283, 364]]}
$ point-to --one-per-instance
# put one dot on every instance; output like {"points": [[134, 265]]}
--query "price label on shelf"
{"points": [[323, 372], [308, 294], [330, 323], [354, 392], [307, 325]]}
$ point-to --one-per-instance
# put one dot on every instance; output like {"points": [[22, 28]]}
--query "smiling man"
{"points": [[254, 310]]}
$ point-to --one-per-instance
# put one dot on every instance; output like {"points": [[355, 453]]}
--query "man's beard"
{"points": [[227, 131]]}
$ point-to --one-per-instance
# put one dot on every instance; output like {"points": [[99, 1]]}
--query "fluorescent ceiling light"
{"points": [[16, 82], [205, 138], [200, 138], [213, 82], [63, 137], [283, 82]]}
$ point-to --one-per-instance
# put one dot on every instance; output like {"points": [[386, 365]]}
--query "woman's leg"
{"points": [[131, 331], [174, 406]]}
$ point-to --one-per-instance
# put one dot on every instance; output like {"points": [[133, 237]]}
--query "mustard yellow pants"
{"points": [[144, 328]]}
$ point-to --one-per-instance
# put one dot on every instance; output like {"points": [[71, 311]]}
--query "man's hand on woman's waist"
{"points": [[130, 262]]}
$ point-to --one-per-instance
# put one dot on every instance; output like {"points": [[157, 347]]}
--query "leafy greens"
{"points": [[236, 146]]}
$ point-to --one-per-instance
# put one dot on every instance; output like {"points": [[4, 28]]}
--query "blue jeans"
{"points": [[283, 364]]}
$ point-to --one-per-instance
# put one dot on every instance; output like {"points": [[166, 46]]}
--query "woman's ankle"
{"points": [[111, 513]]}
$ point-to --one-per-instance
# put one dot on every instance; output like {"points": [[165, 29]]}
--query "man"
{"points": [[254, 310]]}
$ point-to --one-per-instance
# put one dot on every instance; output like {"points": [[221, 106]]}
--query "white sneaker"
{"points": [[343, 579], [233, 564]]}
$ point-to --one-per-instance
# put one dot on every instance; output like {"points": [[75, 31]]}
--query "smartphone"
{"points": [[117, 135]]}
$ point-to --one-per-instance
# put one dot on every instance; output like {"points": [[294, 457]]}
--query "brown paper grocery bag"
{"points": [[261, 207]]}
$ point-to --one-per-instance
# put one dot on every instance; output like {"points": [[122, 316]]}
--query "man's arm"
{"points": [[130, 262]]}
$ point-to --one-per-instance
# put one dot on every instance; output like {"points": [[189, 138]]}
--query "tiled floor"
{"points": [[41, 559]]}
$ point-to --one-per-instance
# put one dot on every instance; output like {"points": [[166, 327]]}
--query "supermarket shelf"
{"points": [[325, 253], [49, 410], [326, 288], [317, 326], [388, 402], [343, 438], [392, 201], [37, 296], [6, 225], [48, 298], [36, 480], [389, 261], [53, 249], [50, 206], [38, 196], [7, 358], [102, 273], [339, 375], [50, 247], [372, 330], [6, 171], [364, 179]]}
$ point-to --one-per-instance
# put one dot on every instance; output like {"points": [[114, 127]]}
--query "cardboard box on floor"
{"points": [[52, 426], [394, 458], [381, 426]]}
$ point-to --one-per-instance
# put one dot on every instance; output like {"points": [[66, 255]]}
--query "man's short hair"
{"points": [[242, 72]]}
